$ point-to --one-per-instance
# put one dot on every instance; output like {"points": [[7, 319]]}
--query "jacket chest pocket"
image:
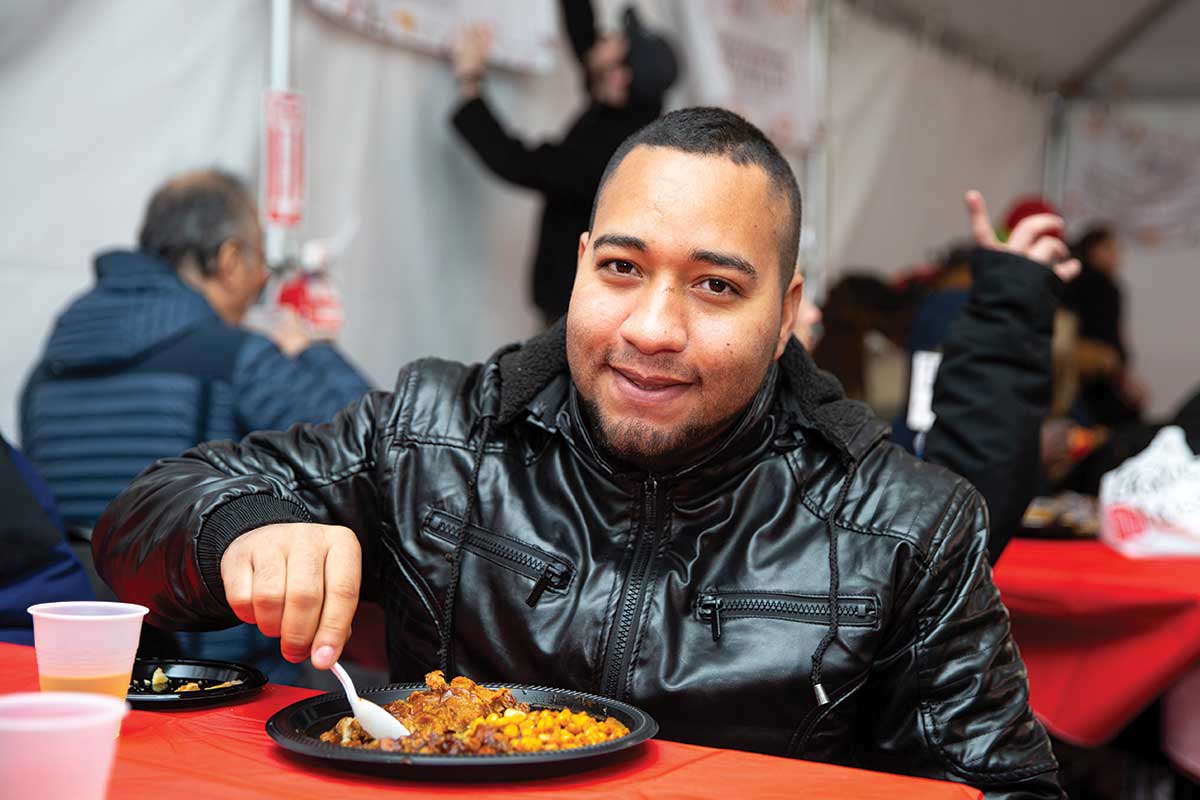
{"points": [[718, 608], [545, 571]]}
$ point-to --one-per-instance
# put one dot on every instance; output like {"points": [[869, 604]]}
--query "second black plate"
{"points": [[180, 671]]}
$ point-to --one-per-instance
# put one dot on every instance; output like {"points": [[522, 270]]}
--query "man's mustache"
{"points": [[660, 366]]}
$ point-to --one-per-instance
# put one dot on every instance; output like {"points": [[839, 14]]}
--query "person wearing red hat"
{"points": [[1027, 206]]}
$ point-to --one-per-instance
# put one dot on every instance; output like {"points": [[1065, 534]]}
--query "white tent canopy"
{"points": [[1133, 50], [102, 100]]}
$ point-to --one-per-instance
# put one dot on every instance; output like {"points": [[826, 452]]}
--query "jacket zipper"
{"points": [[624, 629], [711, 607], [546, 573]]}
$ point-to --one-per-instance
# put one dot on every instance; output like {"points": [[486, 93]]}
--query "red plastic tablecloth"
{"points": [[1102, 635], [225, 753]]}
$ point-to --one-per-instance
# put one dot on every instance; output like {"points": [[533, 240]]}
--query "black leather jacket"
{"points": [[701, 596]]}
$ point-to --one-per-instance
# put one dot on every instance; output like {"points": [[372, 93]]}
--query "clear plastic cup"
{"points": [[86, 646], [58, 745]]}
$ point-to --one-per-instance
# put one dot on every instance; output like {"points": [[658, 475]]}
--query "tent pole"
{"points": [[1054, 159], [814, 234], [281, 28]]}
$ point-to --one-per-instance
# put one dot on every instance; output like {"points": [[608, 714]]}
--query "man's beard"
{"points": [[648, 447]]}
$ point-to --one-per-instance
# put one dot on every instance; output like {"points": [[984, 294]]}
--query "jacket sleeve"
{"points": [[948, 696], [160, 542], [547, 168], [580, 21], [274, 392], [994, 387]]}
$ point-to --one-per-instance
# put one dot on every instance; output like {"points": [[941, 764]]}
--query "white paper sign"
{"points": [[525, 31], [925, 365], [752, 57]]}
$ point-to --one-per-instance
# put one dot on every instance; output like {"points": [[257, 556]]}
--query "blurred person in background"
{"points": [[987, 320], [37, 565], [153, 360], [626, 75], [1109, 394]]}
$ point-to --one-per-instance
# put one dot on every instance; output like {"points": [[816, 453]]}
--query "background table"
{"points": [[1102, 635], [225, 753]]}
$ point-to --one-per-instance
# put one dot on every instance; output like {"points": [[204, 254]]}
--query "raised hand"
{"points": [[1036, 237], [470, 52]]}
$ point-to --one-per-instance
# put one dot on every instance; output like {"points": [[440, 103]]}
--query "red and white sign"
{"points": [[284, 196]]}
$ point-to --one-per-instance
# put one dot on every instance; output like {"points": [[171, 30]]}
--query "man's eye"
{"points": [[621, 267], [718, 286]]}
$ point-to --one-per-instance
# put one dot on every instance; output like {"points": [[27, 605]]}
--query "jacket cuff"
{"points": [[231, 520], [1008, 280], [469, 115]]}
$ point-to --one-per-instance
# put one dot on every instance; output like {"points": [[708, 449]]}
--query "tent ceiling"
{"points": [[1122, 48], [1163, 62]]}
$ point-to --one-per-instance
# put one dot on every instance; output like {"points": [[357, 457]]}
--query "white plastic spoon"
{"points": [[374, 719]]}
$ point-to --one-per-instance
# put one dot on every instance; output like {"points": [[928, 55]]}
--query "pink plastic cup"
{"points": [[58, 745], [86, 646]]}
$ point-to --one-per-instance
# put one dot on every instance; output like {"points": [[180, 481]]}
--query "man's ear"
{"points": [[583, 243], [229, 258], [791, 311]]}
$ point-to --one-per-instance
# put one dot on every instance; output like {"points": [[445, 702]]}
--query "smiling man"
{"points": [[661, 500]]}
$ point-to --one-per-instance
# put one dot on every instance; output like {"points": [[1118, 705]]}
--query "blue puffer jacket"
{"points": [[141, 368]]}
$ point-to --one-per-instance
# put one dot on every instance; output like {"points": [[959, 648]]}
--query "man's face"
{"points": [[678, 309], [610, 77], [251, 275]]}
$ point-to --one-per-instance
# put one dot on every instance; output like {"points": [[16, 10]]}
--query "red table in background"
{"points": [[1102, 635], [225, 753]]}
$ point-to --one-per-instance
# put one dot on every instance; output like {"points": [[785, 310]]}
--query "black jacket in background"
{"points": [[994, 387], [567, 173]]}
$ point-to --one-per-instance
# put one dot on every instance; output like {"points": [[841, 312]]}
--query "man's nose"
{"points": [[658, 322]]}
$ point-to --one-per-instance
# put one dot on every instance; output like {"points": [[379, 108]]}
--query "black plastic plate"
{"points": [[297, 728], [183, 670]]}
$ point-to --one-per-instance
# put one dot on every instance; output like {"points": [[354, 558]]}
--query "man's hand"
{"points": [[290, 334], [1035, 237], [470, 55], [298, 582]]}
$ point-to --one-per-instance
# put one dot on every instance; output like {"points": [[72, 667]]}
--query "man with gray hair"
{"points": [[153, 360]]}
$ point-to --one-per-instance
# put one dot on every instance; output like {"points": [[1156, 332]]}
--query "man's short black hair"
{"points": [[193, 214], [717, 132]]}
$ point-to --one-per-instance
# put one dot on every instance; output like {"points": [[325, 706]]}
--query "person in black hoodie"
{"points": [[626, 76]]}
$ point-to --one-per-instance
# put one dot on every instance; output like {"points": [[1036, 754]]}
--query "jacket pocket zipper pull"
{"points": [[710, 606], [553, 575]]}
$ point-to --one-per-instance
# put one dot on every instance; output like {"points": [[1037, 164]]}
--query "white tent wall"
{"points": [[911, 128], [102, 100], [99, 101]]}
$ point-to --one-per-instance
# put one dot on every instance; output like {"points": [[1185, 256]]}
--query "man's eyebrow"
{"points": [[726, 260], [620, 240]]}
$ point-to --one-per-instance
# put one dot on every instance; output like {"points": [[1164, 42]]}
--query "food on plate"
{"points": [[160, 684], [463, 718]]}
